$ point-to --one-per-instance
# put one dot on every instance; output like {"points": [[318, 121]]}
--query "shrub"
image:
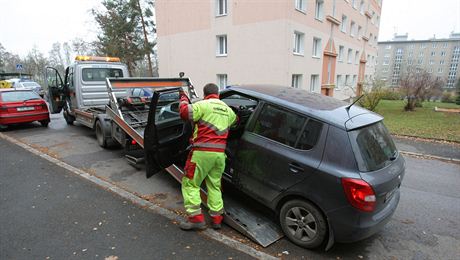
{"points": [[390, 94], [448, 97]]}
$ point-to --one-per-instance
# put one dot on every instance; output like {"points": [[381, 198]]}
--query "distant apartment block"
{"points": [[327, 47], [437, 56]]}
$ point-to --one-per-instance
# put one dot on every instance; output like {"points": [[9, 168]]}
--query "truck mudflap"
{"points": [[248, 221]]}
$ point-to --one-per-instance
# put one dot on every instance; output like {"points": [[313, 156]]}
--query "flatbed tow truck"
{"points": [[153, 123]]}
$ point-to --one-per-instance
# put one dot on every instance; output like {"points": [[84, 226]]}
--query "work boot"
{"points": [[193, 223], [216, 221]]}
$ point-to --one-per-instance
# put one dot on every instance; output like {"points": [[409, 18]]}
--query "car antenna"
{"points": [[354, 102]]}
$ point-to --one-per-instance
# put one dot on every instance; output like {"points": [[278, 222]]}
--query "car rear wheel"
{"points": [[69, 119], [44, 123], [303, 223]]}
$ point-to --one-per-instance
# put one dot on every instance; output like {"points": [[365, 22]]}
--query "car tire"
{"points": [[102, 139], [303, 224], [44, 123]]}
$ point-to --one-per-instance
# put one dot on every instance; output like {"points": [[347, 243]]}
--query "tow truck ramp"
{"points": [[134, 121]]}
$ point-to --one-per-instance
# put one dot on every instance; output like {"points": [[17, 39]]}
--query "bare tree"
{"points": [[416, 83], [373, 93]]}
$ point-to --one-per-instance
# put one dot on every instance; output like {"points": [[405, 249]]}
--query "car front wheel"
{"points": [[303, 223]]}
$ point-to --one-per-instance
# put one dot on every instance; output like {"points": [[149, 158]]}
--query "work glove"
{"points": [[183, 97]]}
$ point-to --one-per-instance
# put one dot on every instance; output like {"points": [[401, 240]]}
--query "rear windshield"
{"points": [[373, 147], [99, 74], [30, 84], [11, 96]]}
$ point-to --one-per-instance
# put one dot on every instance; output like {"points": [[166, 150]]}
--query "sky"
{"points": [[28, 23]]}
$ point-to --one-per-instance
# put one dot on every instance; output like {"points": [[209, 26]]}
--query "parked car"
{"points": [[22, 106], [30, 85], [330, 171]]}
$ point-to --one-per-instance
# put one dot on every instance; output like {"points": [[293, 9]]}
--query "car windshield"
{"points": [[30, 84], [373, 147], [100, 74], [12, 96]]}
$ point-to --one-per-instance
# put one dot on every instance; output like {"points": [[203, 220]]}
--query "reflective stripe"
{"points": [[190, 112], [216, 213], [209, 145], [213, 127]]}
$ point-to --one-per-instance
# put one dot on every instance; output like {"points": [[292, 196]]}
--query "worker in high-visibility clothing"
{"points": [[212, 119]]}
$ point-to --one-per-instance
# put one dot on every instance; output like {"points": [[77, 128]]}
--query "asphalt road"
{"points": [[426, 224], [47, 212]]}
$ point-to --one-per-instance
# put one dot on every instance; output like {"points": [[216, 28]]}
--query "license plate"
{"points": [[25, 108]]}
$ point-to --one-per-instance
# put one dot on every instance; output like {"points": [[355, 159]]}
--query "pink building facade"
{"points": [[324, 46]]}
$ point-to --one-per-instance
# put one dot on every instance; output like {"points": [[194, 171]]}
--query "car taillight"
{"points": [[359, 193]]}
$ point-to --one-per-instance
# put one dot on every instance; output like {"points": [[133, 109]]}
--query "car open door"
{"points": [[166, 135], [55, 87]]}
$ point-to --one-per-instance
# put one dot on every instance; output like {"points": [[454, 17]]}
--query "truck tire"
{"points": [[69, 119], [103, 140]]}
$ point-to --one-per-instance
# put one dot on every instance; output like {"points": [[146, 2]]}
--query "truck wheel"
{"points": [[102, 139], [303, 223], [69, 119]]}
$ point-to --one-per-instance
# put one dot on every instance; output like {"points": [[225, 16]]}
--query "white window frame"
{"points": [[298, 47], [350, 56], [301, 5], [356, 57], [314, 82], [319, 9], [221, 5], [352, 29], [347, 80], [316, 48], [296, 81], [341, 53], [222, 81], [221, 46], [343, 26], [361, 8], [339, 84]]}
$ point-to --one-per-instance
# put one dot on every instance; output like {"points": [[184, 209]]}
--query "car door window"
{"points": [[310, 135], [279, 125]]}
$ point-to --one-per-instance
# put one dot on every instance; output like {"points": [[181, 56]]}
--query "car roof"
{"points": [[323, 108]]}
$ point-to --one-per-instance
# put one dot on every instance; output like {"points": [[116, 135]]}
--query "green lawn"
{"points": [[423, 122]]}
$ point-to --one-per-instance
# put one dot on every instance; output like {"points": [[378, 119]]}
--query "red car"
{"points": [[22, 106]]}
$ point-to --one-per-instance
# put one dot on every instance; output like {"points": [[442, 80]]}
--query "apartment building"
{"points": [[437, 56], [322, 46]]}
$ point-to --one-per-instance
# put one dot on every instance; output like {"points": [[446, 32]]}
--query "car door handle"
{"points": [[295, 168]]}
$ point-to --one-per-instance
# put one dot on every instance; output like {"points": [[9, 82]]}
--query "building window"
{"points": [[352, 29], [444, 45], [316, 52], [341, 52], [319, 9], [354, 3], [301, 5], [355, 77], [296, 81], [431, 62], [377, 21], [440, 70], [441, 62], [360, 30], [361, 7], [222, 81], [339, 81], [433, 53], [443, 53], [433, 45], [421, 54], [221, 7], [356, 57], [221, 45], [298, 43], [314, 83], [350, 55], [422, 45], [388, 47], [343, 26], [370, 39], [347, 80]]}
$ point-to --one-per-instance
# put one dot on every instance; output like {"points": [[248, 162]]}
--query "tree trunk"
{"points": [[146, 42]]}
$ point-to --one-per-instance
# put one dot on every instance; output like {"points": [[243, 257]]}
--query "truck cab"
{"points": [[82, 94]]}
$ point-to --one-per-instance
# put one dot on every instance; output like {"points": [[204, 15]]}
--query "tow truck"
{"points": [[153, 123], [82, 94]]}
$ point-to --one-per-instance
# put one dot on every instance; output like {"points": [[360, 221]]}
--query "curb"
{"points": [[431, 156], [139, 201]]}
